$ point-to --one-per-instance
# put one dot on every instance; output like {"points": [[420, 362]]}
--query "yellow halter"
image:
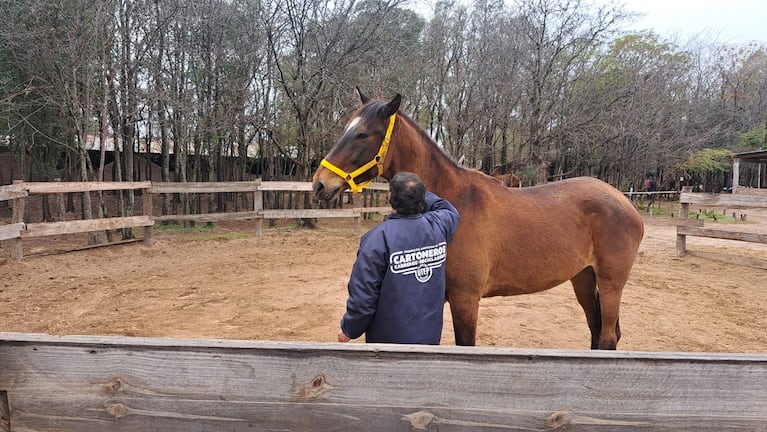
{"points": [[377, 160]]}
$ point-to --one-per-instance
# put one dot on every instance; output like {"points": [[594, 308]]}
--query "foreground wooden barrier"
{"points": [[685, 229], [81, 383]]}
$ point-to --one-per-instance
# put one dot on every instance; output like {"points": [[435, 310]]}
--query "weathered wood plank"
{"points": [[11, 192], [731, 259], [134, 384], [17, 216], [688, 222], [381, 210], [309, 213], [209, 217], [69, 187], [378, 186], [725, 200], [205, 187], [307, 186], [285, 186], [11, 231], [277, 214], [721, 234], [81, 226]]}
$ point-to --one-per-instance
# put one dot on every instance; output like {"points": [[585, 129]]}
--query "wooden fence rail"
{"points": [[17, 230], [98, 383], [715, 200]]}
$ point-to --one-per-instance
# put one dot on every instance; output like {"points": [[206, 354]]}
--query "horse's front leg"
{"points": [[464, 307]]}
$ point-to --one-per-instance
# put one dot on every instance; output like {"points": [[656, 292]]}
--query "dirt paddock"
{"points": [[290, 285]]}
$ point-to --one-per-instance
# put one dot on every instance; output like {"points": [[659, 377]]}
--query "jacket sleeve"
{"points": [[365, 285], [444, 212]]}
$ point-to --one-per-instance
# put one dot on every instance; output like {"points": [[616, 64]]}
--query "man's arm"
{"points": [[445, 212], [364, 287]]}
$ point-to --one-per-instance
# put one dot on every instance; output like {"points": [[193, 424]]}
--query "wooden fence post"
{"points": [[258, 207], [681, 239], [19, 207], [148, 204], [60, 203], [358, 218]]}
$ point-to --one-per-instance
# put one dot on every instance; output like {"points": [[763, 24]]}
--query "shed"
{"points": [[758, 157]]}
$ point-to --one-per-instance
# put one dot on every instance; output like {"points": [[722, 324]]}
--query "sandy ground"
{"points": [[290, 285]]}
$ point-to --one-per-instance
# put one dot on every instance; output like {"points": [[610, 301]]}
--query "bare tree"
{"points": [[560, 34], [60, 46]]}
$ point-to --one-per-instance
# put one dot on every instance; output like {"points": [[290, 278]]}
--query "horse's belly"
{"points": [[513, 279], [509, 289]]}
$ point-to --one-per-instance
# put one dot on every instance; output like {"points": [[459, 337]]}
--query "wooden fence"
{"points": [[15, 232], [98, 383], [698, 228], [669, 195]]}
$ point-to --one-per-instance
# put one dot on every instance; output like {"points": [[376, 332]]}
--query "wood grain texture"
{"points": [[136, 384], [11, 192], [69, 187], [11, 231], [722, 234], [310, 213], [88, 225], [209, 217], [724, 200], [204, 187]]}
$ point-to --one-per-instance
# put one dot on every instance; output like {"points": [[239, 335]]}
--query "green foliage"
{"points": [[708, 161], [754, 139], [712, 215]]}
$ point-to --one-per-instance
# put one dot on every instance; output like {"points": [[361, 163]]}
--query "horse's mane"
{"points": [[428, 139]]}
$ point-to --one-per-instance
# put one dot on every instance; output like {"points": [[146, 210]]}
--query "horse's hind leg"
{"points": [[585, 286]]}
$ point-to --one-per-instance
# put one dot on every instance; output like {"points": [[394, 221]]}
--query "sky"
{"points": [[720, 21], [730, 21]]}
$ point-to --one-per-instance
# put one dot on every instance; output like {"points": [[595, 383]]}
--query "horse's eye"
{"points": [[362, 136]]}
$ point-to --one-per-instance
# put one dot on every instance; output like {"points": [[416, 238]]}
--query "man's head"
{"points": [[407, 193]]}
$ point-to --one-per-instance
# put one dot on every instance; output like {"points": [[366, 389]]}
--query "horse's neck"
{"points": [[417, 153]]}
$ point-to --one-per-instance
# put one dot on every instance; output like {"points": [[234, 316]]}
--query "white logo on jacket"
{"points": [[419, 262]]}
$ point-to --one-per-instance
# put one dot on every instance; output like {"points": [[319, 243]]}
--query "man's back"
{"points": [[397, 286]]}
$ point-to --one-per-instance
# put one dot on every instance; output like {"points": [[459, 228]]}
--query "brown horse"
{"points": [[510, 241]]}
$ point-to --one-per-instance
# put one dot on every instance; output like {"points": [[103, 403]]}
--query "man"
{"points": [[397, 285], [651, 187]]}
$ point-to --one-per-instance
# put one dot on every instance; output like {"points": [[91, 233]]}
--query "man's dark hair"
{"points": [[407, 193]]}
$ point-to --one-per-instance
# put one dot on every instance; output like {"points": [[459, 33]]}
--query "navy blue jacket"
{"points": [[397, 285]]}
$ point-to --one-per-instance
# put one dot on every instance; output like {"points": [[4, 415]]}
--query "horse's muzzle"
{"points": [[324, 194]]}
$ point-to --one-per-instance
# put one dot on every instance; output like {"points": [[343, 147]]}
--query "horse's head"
{"points": [[360, 154]]}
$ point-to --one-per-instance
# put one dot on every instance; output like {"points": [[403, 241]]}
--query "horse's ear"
{"points": [[392, 106], [363, 96]]}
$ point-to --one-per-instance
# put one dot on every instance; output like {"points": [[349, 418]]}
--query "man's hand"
{"points": [[342, 336]]}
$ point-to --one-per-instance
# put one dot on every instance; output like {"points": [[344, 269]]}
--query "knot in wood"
{"points": [[559, 419], [420, 419], [316, 387], [113, 386], [117, 410]]}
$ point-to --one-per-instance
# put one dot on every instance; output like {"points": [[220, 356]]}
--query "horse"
{"points": [[508, 180], [510, 241]]}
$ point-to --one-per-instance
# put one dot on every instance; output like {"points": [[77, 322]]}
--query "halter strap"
{"points": [[377, 160]]}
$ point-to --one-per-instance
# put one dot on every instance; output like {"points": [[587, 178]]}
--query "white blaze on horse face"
{"points": [[352, 123]]}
